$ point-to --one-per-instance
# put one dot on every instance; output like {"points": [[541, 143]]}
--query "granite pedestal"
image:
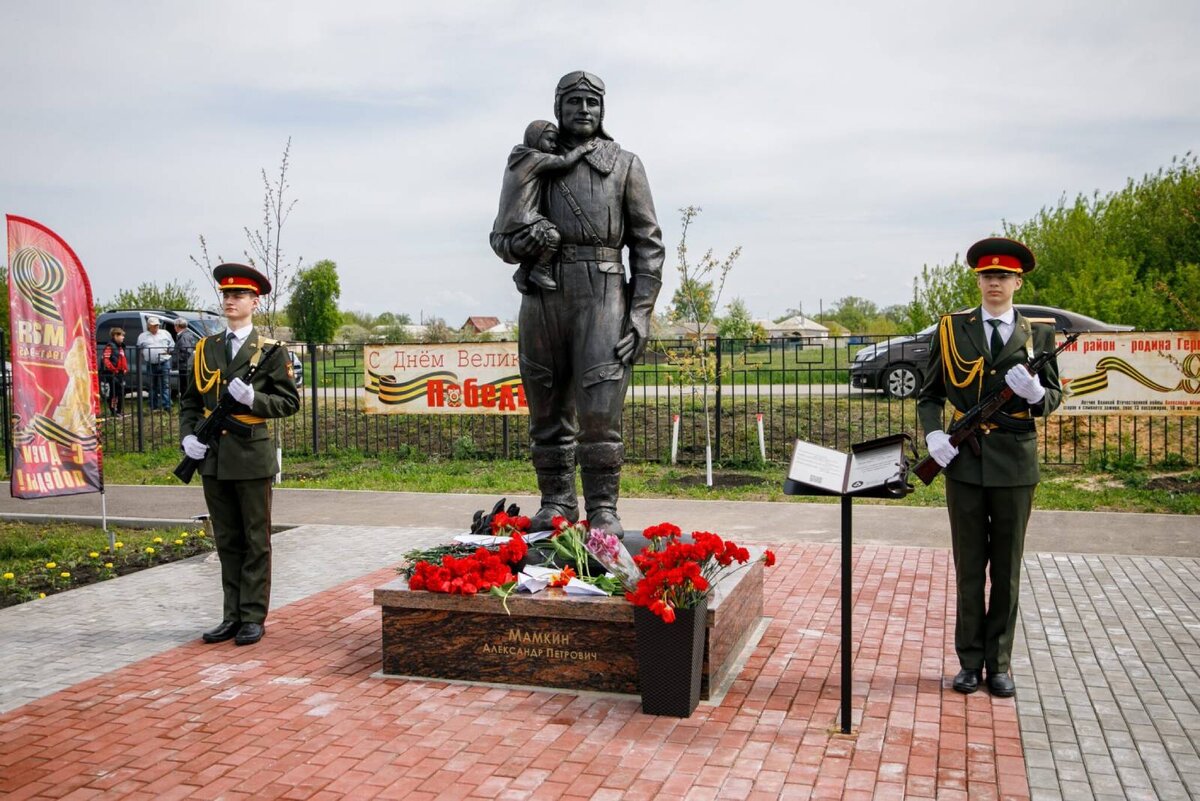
{"points": [[550, 639]]}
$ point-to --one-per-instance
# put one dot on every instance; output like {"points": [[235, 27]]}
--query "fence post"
{"points": [[312, 382], [137, 363], [717, 445]]}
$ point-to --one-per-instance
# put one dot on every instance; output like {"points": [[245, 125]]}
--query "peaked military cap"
{"points": [[1001, 255], [241, 276]]}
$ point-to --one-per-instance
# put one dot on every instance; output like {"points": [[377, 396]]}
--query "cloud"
{"points": [[842, 147]]}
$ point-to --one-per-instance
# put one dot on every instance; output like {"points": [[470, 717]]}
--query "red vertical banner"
{"points": [[55, 387]]}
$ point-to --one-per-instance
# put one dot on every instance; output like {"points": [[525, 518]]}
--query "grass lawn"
{"points": [[1131, 489], [40, 559]]}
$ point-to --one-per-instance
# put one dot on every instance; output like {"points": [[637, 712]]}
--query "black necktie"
{"points": [[997, 342], [229, 348]]}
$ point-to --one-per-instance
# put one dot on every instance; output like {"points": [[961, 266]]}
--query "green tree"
{"points": [[1128, 256], [853, 312], [149, 295], [938, 290], [738, 324], [312, 307], [692, 301], [436, 330]]}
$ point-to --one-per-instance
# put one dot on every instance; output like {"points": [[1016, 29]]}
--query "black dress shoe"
{"points": [[967, 681], [226, 631], [1001, 684], [249, 634]]}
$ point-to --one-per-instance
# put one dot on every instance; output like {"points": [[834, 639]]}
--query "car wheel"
{"points": [[901, 381]]}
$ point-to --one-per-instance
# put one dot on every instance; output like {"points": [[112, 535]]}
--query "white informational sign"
{"points": [[1148, 373], [452, 378]]}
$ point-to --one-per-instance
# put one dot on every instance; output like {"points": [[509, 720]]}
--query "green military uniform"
{"points": [[989, 494], [238, 470]]}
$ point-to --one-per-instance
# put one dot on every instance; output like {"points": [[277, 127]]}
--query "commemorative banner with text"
{"points": [[455, 378], [1146, 373], [56, 450]]}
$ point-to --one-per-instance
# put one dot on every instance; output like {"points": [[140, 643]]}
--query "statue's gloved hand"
{"points": [[644, 292], [627, 349], [526, 242], [194, 448], [940, 448], [1025, 384]]}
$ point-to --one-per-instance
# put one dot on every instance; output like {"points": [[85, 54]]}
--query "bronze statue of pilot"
{"points": [[578, 341]]}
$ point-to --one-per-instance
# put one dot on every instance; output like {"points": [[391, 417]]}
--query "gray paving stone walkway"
{"points": [[1108, 700]]}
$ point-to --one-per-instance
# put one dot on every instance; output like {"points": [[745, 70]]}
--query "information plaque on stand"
{"points": [[877, 468]]}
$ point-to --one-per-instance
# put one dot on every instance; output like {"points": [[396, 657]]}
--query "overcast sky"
{"points": [[841, 145]]}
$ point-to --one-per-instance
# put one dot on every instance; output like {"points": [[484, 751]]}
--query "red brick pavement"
{"points": [[299, 716]]}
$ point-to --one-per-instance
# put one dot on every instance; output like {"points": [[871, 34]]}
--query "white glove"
{"points": [[1025, 384], [194, 448], [241, 391], [940, 448]]}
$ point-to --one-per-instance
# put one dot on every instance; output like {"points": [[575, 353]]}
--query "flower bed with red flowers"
{"points": [[679, 574]]}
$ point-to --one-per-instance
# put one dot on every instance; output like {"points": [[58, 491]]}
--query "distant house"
{"points": [[492, 327], [794, 328], [683, 331], [478, 325]]}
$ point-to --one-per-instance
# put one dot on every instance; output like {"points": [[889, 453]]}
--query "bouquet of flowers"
{"points": [[609, 551], [679, 574], [481, 571], [570, 546]]}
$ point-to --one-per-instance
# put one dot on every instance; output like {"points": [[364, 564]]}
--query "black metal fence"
{"points": [[760, 398]]}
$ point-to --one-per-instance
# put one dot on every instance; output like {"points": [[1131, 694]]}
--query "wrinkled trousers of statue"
{"points": [[576, 387]]}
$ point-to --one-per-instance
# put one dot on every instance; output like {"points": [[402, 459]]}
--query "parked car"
{"points": [[133, 321], [896, 365]]}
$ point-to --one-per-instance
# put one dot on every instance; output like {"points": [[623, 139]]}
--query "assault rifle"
{"points": [[967, 427], [221, 419]]}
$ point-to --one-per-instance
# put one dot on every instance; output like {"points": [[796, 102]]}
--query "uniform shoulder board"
{"points": [[959, 313], [1050, 321], [266, 343]]}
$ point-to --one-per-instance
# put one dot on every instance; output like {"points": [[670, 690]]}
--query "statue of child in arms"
{"points": [[520, 197]]}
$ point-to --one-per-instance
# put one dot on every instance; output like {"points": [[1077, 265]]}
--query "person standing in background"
{"points": [[185, 347], [155, 346]]}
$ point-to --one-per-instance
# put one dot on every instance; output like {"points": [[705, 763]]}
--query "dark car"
{"points": [[133, 322], [896, 365]]}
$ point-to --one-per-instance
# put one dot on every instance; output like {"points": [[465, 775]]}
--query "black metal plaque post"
{"points": [[893, 489]]}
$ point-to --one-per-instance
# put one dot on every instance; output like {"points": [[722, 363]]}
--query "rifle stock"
{"points": [[220, 419], [965, 429]]}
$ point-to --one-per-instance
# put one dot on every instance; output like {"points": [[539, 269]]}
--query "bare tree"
{"points": [[267, 243], [206, 268], [697, 304]]}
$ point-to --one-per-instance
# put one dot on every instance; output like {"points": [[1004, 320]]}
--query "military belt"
{"points": [[598, 253], [248, 419], [1016, 423]]}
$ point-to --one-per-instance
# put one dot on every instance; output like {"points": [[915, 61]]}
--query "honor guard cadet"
{"points": [[989, 485], [239, 465]]}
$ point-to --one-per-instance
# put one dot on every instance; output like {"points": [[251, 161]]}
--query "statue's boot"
{"points": [[600, 467], [555, 466]]}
